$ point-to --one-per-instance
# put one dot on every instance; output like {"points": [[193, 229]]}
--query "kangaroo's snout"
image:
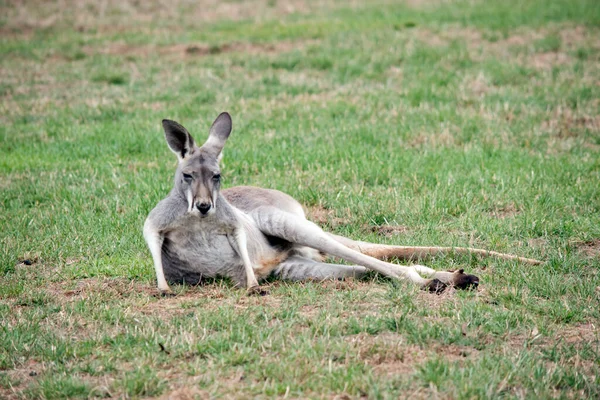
{"points": [[204, 208]]}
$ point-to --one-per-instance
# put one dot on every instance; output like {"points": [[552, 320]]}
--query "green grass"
{"points": [[441, 123]]}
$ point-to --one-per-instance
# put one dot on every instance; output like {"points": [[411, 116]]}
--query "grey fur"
{"points": [[247, 233]]}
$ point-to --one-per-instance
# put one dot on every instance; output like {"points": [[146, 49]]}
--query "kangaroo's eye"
{"points": [[187, 177], [216, 178]]}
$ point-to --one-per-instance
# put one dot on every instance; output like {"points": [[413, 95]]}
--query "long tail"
{"points": [[412, 253], [420, 252]]}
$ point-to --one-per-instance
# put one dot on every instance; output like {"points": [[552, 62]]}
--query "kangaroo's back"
{"points": [[249, 198]]}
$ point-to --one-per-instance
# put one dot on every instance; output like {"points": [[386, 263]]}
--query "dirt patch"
{"points": [[516, 40], [324, 216], [478, 87], [436, 302], [564, 123], [194, 49], [575, 36], [130, 15], [85, 288], [21, 377], [482, 45], [455, 352], [471, 36], [583, 333], [187, 393], [591, 248], [548, 60], [430, 38], [387, 352], [505, 211], [586, 333], [444, 138]]}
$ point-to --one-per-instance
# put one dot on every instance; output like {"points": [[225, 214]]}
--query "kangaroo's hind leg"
{"points": [[384, 252], [275, 222], [298, 268]]}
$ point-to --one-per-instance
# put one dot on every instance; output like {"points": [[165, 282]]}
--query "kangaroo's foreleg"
{"points": [[385, 252], [292, 228], [239, 242], [155, 239]]}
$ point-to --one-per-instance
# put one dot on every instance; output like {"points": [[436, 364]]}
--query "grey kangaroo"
{"points": [[248, 233]]}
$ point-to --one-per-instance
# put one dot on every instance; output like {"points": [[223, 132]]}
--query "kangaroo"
{"points": [[249, 233]]}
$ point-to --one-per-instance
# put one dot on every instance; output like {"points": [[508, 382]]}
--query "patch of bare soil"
{"points": [[481, 47], [22, 376], [478, 86], [443, 138], [505, 211], [591, 248], [431, 301], [471, 36], [125, 15], [186, 393], [191, 50], [430, 38], [389, 353], [324, 216], [574, 36], [85, 288], [564, 123], [546, 61], [583, 333], [586, 333]]}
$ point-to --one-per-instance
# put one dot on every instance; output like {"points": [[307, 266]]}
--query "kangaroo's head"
{"points": [[198, 176]]}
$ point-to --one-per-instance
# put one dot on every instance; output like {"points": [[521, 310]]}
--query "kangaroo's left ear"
{"points": [[178, 139], [219, 132]]}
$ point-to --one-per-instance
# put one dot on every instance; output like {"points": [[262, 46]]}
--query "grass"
{"points": [[448, 123]]}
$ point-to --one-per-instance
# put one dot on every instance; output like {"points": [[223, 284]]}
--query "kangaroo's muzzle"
{"points": [[204, 208]]}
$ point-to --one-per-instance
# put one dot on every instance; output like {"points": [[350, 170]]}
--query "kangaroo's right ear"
{"points": [[178, 139], [219, 132]]}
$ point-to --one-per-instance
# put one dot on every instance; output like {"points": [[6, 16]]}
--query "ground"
{"points": [[454, 123]]}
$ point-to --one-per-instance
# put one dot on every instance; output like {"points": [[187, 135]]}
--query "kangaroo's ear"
{"points": [[178, 139], [219, 132]]}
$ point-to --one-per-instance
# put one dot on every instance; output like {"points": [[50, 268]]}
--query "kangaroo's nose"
{"points": [[203, 207]]}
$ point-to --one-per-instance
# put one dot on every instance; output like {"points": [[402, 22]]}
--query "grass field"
{"points": [[456, 123]]}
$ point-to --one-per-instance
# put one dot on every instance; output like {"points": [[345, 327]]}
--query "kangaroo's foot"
{"points": [[463, 281], [457, 279]]}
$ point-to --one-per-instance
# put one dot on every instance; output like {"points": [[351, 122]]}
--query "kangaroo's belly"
{"points": [[194, 252], [188, 258]]}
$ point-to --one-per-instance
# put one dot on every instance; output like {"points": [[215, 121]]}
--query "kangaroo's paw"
{"points": [[434, 286], [458, 278], [257, 291]]}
